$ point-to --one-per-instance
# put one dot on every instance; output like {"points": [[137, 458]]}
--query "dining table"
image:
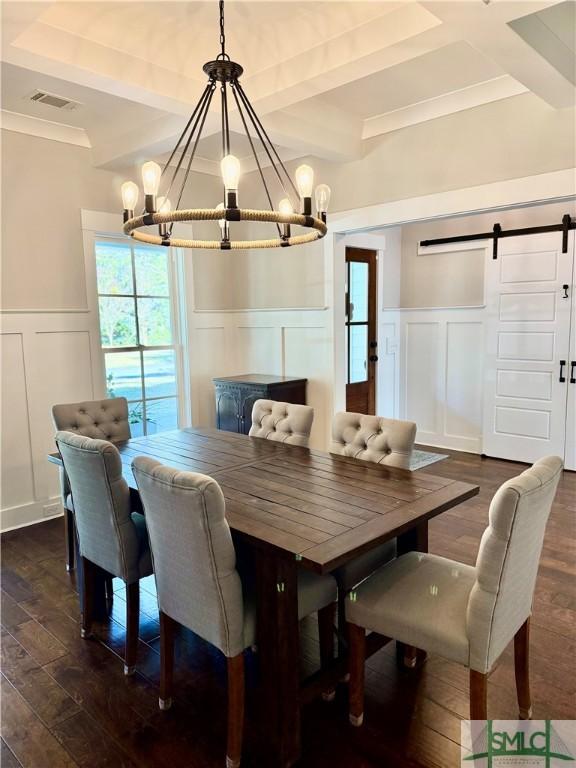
{"points": [[298, 508]]}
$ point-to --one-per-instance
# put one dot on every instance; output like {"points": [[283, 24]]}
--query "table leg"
{"points": [[414, 540], [278, 651]]}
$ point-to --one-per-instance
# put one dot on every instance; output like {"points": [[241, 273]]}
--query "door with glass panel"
{"points": [[138, 332], [361, 342]]}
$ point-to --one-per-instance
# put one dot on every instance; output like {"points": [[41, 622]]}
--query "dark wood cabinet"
{"points": [[236, 395]]}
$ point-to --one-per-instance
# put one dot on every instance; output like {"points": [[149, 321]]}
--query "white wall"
{"points": [[431, 367], [46, 325]]}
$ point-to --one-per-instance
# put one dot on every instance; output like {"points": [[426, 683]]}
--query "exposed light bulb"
{"points": [[304, 180], [222, 221], [164, 205], [151, 173], [323, 193], [130, 194], [285, 207], [230, 168]]}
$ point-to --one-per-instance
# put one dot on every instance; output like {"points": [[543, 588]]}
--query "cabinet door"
{"points": [[248, 398], [227, 410], [527, 354]]}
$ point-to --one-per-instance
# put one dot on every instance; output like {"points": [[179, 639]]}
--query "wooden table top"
{"points": [[324, 509]]}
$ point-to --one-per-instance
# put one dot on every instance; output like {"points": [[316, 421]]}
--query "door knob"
{"points": [[565, 289], [373, 344], [573, 372], [561, 377], [373, 358]]}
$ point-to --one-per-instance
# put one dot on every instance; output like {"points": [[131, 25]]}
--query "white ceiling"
{"points": [[323, 76]]}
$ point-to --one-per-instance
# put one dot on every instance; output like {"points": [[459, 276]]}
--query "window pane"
{"points": [[136, 418], [160, 373], [117, 322], [154, 322], [151, 271], [358, 353], [358, 291], [114, 268], [123, 375], [161, 415]]}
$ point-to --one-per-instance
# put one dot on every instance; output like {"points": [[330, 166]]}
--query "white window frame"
{"points": [[98, 227]]}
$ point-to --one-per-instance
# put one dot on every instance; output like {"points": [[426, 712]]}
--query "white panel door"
{"points": [[527, 337], [570, 461]]}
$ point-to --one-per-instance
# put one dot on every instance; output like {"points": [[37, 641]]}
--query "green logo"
{"points": [[512, 743]]}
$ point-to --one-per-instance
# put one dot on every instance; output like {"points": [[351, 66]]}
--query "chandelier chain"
{"points": [[222, 34], [223, 74]]}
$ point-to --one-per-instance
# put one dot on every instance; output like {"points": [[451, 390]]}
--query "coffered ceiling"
{"points": [[323, 76]]}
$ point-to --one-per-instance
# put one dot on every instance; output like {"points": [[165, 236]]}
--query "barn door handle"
{"points": [[572, 372], [562, 378], [565, 289]]}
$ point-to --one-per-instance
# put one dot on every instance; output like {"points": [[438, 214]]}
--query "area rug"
{"points": [[421, 459]]}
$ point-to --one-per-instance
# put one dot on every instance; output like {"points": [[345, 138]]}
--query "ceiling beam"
{"points": [[398, 34], [448, 103], [486, 27]]}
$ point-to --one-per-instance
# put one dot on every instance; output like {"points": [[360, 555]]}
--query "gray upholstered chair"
{"points": [[283, 422], [465, 614], [110, 536], [373, 438], [198, 584], [102, 419], [381, 441]]}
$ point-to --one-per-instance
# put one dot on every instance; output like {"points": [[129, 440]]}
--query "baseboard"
{"points": [[29, 514], [461, 445]]}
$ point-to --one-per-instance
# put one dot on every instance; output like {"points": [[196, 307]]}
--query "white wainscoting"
{"points": [[287, 342], [46, 359], [431, 371]]}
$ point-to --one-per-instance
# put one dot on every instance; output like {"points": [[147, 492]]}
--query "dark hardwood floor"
{"points": [[66, 702]]}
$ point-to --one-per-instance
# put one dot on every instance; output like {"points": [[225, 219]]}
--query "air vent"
{"points": [[52, 100]]}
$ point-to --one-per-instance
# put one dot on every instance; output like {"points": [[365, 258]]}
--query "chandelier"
{"points": [[294, 209]]}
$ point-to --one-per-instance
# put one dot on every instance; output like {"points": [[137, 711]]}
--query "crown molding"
{"points": [[45, 129], [447, 104]]}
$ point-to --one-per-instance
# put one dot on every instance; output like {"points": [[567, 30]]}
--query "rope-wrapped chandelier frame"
{"points": [[224, 74], [133, 225]]}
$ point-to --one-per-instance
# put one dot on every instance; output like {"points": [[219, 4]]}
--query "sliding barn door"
{"points": [[570, 460], [528, 346]]}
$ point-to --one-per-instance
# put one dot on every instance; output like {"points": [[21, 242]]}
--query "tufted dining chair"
{"points": [[110, 536], [102, 419], [388, 442], [198, 583], [373, 438], [465, 614], [284, 422]]}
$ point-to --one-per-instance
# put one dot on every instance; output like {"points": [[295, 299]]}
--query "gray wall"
{"points": [[457, 279], [46, 183], [517, 137]]}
